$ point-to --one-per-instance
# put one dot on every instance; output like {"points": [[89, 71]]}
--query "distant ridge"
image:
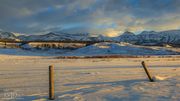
{"points": [[144, 38]]}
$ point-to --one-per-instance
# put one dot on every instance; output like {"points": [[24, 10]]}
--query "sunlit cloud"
{"points": [[112, 32], [108, 17]]}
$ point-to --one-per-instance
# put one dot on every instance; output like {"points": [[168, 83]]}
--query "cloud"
{"points": [[109, 17]]}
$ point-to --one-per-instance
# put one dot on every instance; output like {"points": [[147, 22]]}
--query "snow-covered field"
{"points": [[25, 78], [110, 48]]}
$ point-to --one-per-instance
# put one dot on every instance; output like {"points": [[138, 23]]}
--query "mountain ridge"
{"points": [[144, 38]]}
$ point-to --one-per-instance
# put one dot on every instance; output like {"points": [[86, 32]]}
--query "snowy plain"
{"points": [[24, 74], [25, 78]]}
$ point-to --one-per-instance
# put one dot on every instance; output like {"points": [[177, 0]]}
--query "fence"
{"points": [[51, 79]]}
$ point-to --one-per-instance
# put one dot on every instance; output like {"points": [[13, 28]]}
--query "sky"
{"points": [[107, 17]]}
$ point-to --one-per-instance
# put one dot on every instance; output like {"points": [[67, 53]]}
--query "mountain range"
{"points": [[144, 38]]}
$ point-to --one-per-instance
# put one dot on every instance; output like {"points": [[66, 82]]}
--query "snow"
{"points": [[98, 49], [127, 37], [158, 78], [55, 36], [32, 52], [26, 78], [26, 46], [171, 37], [109, 48], [7, 35], [145, 37], [24, 71]]}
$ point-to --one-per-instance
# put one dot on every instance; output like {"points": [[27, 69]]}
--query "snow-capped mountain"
{"points": [[164, 37], [7, 35], [60, 36], [172, 36], [46, 37], [127, 37], [148, 38], [144, 38], [151, 37], [56, 36]]}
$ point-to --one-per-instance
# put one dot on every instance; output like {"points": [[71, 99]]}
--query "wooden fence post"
{"points": [[51, 82], [5, 44], [147, 72]]}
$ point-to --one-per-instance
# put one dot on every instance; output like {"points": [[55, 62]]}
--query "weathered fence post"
{"points": [[51, 82], [147, 72], [5, 44]]}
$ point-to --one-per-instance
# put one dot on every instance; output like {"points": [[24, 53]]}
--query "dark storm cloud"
{"points": [[96, 16]]}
